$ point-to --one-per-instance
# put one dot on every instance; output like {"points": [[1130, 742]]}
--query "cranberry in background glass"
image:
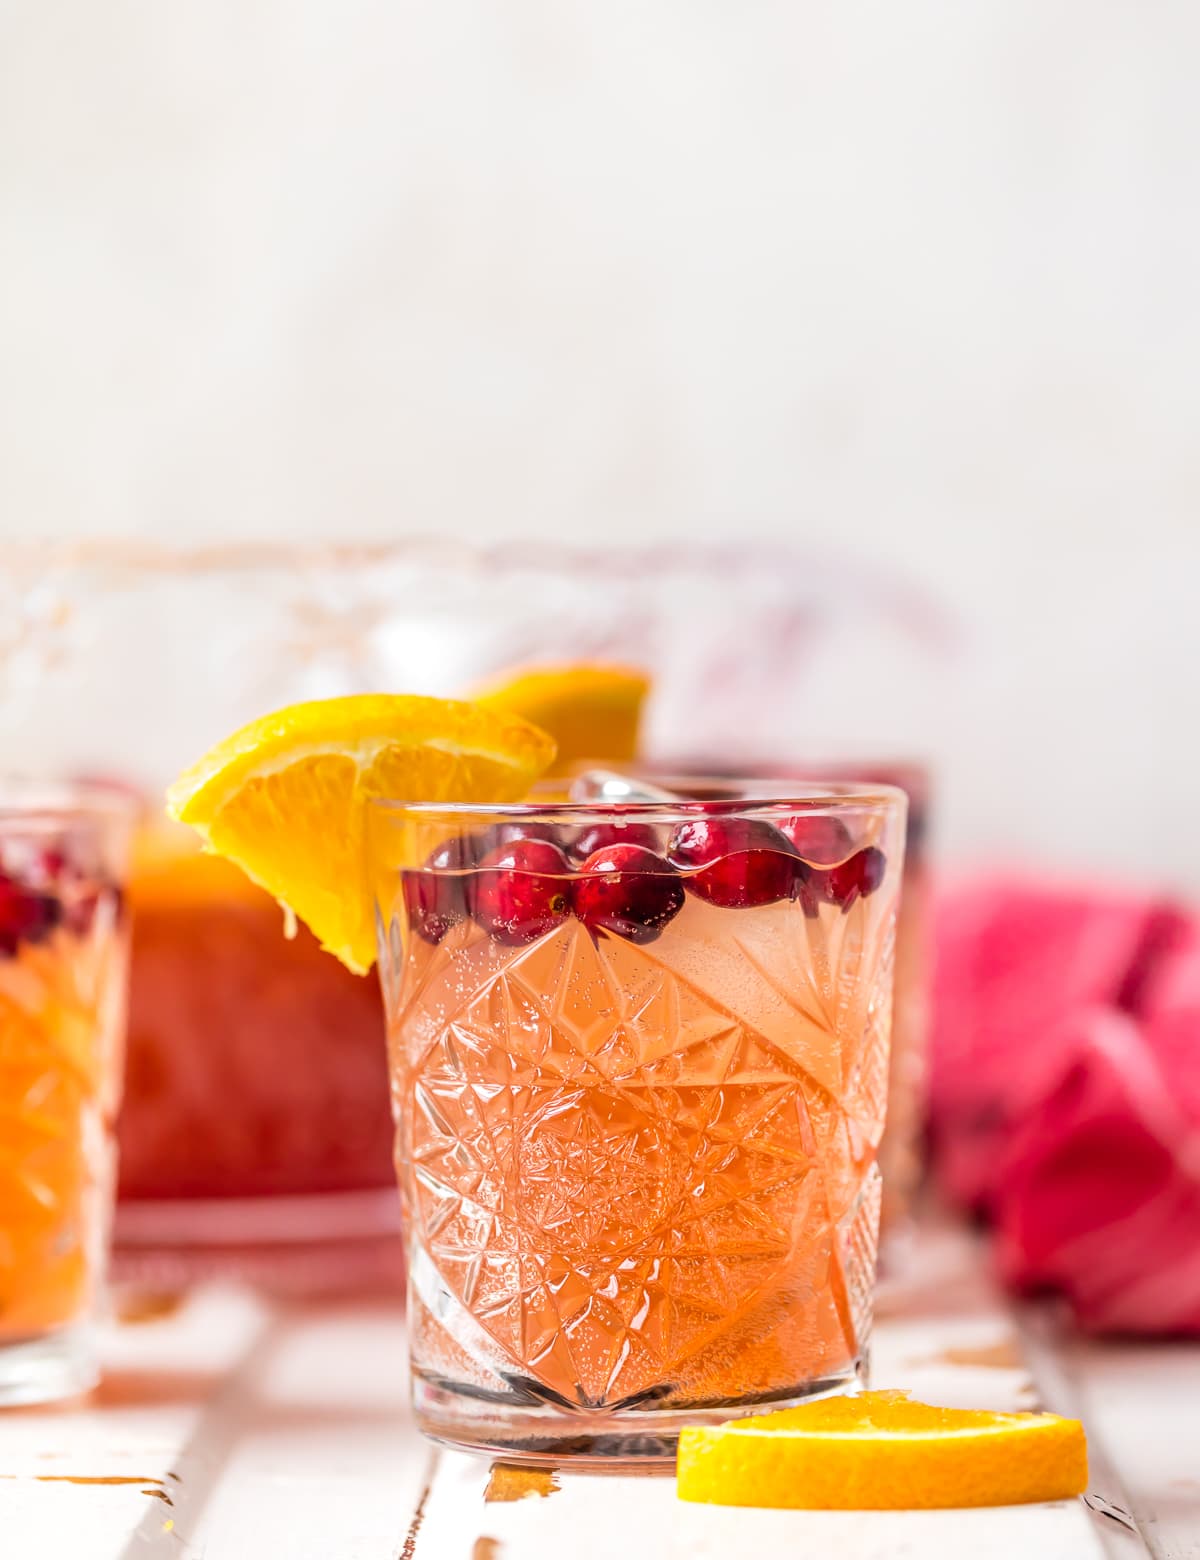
{"points": [[520, 891], [738, 862], [627, 890], [25, 915]]}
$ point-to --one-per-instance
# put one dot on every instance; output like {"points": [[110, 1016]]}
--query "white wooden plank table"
{"points": [[237, 1427]]}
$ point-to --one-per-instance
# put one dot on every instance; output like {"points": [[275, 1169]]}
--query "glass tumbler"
{"points": [[638, 1060], [62, 997]]}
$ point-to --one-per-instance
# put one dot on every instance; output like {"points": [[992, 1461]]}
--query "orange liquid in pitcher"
{"points": [[255, 1065]]}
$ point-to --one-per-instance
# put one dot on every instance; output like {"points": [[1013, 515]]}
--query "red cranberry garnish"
{"points": [[25, 915], [741, 861], [628, 890], [853, 879], [820, 839], [520, 891], [459, 854], [498, 834], [436, 896], [599, 836], [429, 913]]}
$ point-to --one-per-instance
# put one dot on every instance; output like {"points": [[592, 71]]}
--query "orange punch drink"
{"points": [[62, 993], [639, 1069]]}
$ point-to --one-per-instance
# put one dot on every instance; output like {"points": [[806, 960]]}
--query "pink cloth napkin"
{"points": [[1065, 1093]]}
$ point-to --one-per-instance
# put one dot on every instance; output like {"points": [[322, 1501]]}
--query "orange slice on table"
{"points": [[284, 798], [592, 709], [882, 1451]]}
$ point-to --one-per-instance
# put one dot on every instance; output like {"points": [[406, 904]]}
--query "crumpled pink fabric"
{"points": [[1065, 1093]]}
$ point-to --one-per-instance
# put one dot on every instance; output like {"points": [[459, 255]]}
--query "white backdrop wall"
{"points": [[912, 282]]}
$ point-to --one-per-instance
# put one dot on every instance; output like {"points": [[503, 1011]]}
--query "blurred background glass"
{"points": [[63, 960]]}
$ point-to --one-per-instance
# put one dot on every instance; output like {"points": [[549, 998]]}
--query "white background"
{"points": [[915, 283]]}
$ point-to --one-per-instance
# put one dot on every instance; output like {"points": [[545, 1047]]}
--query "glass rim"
{"points": [[27, 800], [819, 796], [891, 770]]}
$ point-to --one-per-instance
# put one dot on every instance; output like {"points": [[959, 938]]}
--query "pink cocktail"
{"points": [[639, 1070]]}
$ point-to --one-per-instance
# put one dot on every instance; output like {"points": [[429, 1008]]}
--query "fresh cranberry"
{"points": [[820, 839], [853, 879], [520, 891], [599, 836], [25, 915], [436, 896], [499, 834], [628, 890], [456, 856], [739, 862], [426, 899]]}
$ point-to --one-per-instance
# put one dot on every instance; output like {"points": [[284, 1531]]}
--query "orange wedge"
{"points": [[285, 797], [592, 709], [881, 1451]]}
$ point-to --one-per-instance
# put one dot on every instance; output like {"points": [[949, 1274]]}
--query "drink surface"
{"points": [[641, 1174]]}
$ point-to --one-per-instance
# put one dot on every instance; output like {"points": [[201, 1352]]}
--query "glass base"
{"points": [[43, 1370], [624, 1438]]}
